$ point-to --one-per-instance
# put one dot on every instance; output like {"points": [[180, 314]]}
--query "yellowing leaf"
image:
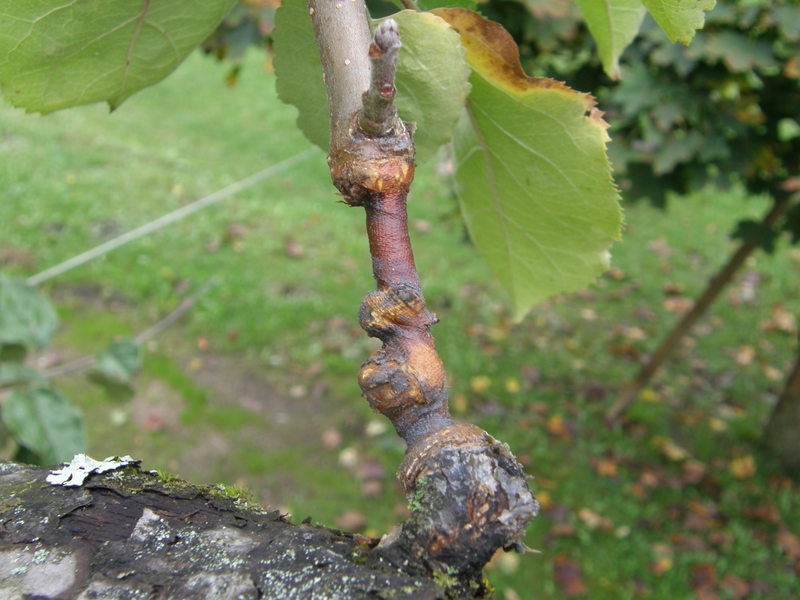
{"points": [[679, 18], [532, 174], [59, 53], [613, 24]]}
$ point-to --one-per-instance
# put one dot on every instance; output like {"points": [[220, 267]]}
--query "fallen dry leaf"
{"points": [[558, 427], [703, 579], [743, 467], [331, 438], [607, 467], [351, 520], [781, 320], [678, 304], [737, 587], [789, 542], [693, 471], [569, 576], [480, 384], [744, 355], [670, 449], [594, 520]]}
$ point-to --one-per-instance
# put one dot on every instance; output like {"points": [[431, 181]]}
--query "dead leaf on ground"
{"points": [[743, 467], [736, 587], [670, 449], [569, 576], [563, 530], [780, 320], [594, 520], [703, 580], [693, 471], [331, 438], [763, 512], [292, 248], [663, 558], [789, 543], [744, 355], [606, 466], [678, 304], [661, 248], [351, 520], [557, 426]]}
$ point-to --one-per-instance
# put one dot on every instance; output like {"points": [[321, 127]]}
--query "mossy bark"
{"points": [[131, 534]]}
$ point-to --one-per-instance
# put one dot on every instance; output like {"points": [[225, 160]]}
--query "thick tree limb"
{"points": [[134, 534]]}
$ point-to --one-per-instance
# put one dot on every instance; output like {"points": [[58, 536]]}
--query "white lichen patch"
{"points": [[81, 466]]}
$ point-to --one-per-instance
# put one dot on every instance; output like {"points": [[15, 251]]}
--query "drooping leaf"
{"points": [[432, 76], [679, 18], [60, 53], [613, 24], [532, 173], [44, 422], [119, 362], [27, 318]]}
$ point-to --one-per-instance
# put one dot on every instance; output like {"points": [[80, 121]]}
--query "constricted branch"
{"points": [[470, 494]]}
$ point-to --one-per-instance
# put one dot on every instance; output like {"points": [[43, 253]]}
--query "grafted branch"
{"points": [[471, 493]]}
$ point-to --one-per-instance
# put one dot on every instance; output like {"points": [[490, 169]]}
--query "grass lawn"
{"points": [[256, 385]]}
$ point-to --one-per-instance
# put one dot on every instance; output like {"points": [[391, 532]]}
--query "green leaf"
{"points": [[44, 422], [432, 76], [431, 4], [758, 234], [12, 373], [532, 173], [119, 362], [679, 18], [613, 24], [432, 79], [299, 71], [60, 53], [27, 318]]}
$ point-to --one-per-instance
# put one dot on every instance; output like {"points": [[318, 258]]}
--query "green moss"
{"points": [[241, 497], [415, 502], [444, 579]]}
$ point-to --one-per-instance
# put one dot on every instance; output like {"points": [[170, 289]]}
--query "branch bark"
{"points": [[715, 285], [468, 493]]}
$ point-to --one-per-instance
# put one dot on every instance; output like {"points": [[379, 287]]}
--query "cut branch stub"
{"points": [[469, 494]]}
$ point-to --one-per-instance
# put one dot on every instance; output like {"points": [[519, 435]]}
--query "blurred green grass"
{"points": [[242, 391]]}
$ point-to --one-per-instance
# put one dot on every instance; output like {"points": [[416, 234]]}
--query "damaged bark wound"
{"points": [[131, 534], [468, 494]]}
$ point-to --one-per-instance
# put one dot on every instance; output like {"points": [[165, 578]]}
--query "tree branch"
{"points": [[471, 495]]}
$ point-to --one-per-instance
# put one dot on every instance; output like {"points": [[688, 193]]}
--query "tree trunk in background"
{"points": [[131, 533], [782, 433], [713, 289]]}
